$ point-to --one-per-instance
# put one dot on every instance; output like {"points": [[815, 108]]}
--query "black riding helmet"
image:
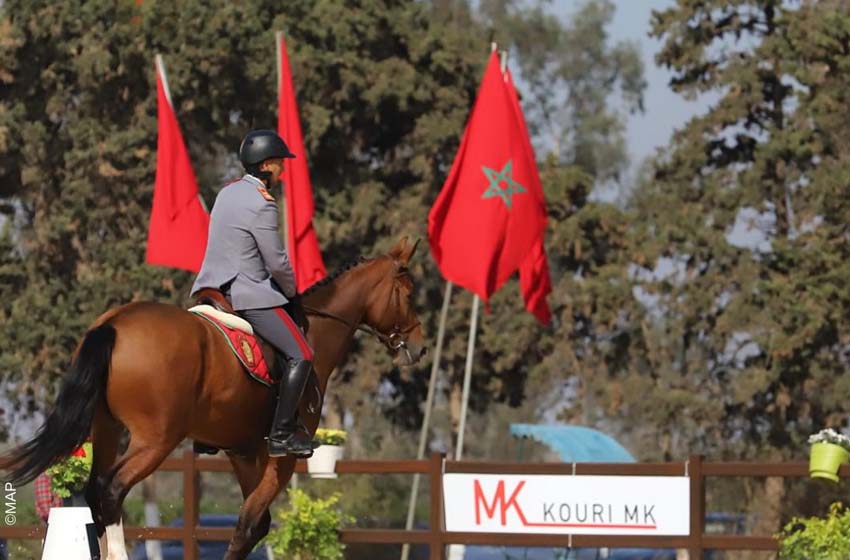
{"points": [[260, 145]]}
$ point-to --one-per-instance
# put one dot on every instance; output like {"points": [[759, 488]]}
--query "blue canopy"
{"points": [[575, 444]]}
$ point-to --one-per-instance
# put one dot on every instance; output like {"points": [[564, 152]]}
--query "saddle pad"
{"points": [[244, 344], [229, 319]]}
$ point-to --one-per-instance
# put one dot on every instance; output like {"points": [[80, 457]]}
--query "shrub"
{"points": [[69, 475], [309, 528], [822, 538]]}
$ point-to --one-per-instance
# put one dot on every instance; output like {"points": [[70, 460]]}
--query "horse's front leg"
{"points": [[255, 519]]}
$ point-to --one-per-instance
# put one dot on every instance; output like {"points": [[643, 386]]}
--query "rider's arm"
{"points": [[266, 233]]}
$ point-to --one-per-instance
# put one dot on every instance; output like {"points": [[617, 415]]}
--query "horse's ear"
{"points": [[399, 248], [408, 253]]}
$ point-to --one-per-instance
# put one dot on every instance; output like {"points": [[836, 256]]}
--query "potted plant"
{"points": [[323, 462], [308, 529], [68, 477], [829, 450], [815, 537]]}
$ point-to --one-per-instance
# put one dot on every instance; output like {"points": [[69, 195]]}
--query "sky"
{"points": [[665, 111]]}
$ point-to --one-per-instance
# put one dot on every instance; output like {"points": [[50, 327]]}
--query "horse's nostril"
{"points": [[423, 352]]}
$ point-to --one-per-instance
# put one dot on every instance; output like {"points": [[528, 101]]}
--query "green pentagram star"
{"points": [[498, 177]]}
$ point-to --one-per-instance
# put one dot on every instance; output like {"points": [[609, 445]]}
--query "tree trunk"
{"points": [[333, 410], [767, 505]]}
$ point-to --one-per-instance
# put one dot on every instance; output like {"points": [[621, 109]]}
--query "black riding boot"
{"points": [[287, 436]]}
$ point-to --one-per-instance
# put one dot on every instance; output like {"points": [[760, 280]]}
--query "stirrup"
{"points": [[281, 448]]}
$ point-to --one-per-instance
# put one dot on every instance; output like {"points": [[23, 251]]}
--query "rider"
{"points": [[246, 260]]}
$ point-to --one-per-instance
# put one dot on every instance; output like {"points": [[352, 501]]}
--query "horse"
{"points": [[163, 374]]}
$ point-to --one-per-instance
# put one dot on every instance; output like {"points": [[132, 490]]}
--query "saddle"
{"points": [[211, 305], [256, 357]]}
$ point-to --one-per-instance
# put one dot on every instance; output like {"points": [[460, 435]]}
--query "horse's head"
{"points": [[389, 309]]}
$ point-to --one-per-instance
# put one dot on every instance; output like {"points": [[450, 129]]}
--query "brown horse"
{"points": [[165, 374]]}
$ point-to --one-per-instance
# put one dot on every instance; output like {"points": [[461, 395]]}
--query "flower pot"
{"points": [[825, 459], [323, 462]]}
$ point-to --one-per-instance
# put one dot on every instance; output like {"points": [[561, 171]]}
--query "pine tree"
{"points": [[742, 237]]}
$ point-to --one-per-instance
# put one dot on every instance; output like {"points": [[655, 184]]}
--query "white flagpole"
{"points": [[426, 421], [456, 551], [160, 67], [278, 41], [467, 376]]}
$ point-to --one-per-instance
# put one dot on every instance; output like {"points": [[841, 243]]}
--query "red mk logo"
{"points": [[498, 501]]}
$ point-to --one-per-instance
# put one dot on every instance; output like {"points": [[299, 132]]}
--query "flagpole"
{"points": [[160, 66], [473, 327], [278, 41], [426, 421], [467, 376]]}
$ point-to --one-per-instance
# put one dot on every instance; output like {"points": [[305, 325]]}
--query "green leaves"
{"points": [[823, 538], [70, 475], [309, 528]]}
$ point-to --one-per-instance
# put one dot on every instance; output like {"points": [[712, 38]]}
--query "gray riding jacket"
{"points": [[245, 249]]}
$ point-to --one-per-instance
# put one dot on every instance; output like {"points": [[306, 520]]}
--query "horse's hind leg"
{"points": [[141, 459], [106, 437], [255, 519]]}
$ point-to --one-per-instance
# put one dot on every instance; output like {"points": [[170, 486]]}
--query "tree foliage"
{"points": [[742, 227], [577, 79]]}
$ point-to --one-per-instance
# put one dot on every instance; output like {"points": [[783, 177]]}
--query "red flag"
{"points": [[534, 281], [303, 246], [177, 235], [491, 211]]}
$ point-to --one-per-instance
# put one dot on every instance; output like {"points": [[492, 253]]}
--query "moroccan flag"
{"points": [[303, 246], [534, 281], [177, 234], [491, 211]]}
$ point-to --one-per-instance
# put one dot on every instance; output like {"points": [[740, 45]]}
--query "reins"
{"points": [[394, 341], [385, 338]]}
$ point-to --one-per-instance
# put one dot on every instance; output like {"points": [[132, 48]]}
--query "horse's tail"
{"points": [[69, 423]]}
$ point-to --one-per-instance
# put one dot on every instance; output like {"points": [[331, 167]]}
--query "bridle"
{"points": [[395, 341]]}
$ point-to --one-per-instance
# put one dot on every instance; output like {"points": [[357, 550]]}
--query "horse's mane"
{"points": [[336, 274]]}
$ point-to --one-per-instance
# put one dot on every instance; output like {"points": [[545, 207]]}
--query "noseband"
{"points": [[395, 341]]}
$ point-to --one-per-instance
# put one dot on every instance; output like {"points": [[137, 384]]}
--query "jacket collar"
{"points": [[253, 179]]}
